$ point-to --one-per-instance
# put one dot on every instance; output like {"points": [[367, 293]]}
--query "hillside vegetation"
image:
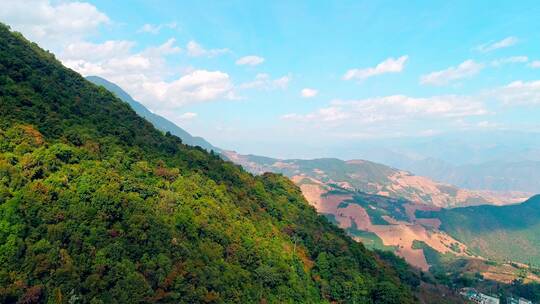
{"points": [[500, 233], [97, 206]]}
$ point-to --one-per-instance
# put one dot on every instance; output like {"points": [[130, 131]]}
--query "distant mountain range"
{"points": [[521, 175], [470, 161], [374, 178]]}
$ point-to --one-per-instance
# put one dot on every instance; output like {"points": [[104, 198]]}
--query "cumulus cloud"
{"points": [[509, 60], [167, 48], [518, 93], [196, 86], [97, 51], [397, 108], [116, 58], [491, 46], [156, 28], [52, 24], [265, 82], [466, 69], [535, 64], [390, 65], [308, 93], [146, 74], [250, 60], [196, 50]]}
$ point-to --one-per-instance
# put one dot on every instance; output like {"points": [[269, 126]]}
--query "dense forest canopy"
{"points": [[97, 206]]}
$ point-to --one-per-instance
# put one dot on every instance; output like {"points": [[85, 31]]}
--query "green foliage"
{"points": [[369, 239], [97, 206]]}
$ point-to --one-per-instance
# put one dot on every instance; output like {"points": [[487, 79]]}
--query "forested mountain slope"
{"points": [[97, 206]]}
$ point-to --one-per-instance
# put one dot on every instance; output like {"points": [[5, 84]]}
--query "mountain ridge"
{"points": [[369, 177]]}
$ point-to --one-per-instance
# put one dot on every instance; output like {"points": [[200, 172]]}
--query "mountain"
{"points": [[499, 233], [493, 175], [374, 178], [470, 161], [159, 122], [98, 206], [444, 242]]}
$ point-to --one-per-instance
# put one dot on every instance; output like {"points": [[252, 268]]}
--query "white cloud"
{"points": [[197, 86], [308, 93], [156, 28], [166, 48], [97, 51], [52, 24], [509, 60], [265, 82], [250, 60], [535, 64], [282, 82], [188, 116], [146, 74], [491, 46], [466, 69], [116, 58], [196, 50], [390, 65], [396, 108], [518, 93]]}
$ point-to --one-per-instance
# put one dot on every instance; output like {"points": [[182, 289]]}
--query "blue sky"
{"points": [[290, 78]]}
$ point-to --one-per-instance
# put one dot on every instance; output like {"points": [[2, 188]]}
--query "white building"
{"points": [[481, 298]]}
